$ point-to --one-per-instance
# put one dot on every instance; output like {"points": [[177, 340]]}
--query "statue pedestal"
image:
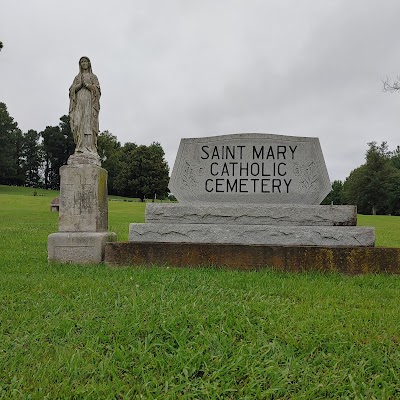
{"points": [[83, 219], [78, 247]]}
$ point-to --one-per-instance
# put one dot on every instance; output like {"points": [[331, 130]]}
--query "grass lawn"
{"points": [[387, 228], [68, 331]]}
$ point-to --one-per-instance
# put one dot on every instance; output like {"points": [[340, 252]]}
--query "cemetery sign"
{"points": [[250, 168]]}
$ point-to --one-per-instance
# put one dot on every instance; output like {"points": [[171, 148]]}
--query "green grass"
{"points": [[23, 191], [68, 331], [387, 228]]}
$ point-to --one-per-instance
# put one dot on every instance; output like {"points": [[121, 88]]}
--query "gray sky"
{"points": [[172, 69]]}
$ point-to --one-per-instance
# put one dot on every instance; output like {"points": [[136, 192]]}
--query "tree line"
{"points": [[374, 187], [34, 158]]}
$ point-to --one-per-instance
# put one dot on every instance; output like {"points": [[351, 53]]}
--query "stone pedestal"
{"points": [[83, 219], [243, 193], [78, 247], [83, 199], [269, 224]]}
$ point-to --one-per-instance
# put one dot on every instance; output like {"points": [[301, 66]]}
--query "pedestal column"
{"points": [[83, 219]]}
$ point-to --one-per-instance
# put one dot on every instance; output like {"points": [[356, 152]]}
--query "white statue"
{"points": [[84, 107]]}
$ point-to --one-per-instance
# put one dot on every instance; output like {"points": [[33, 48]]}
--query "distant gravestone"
{"points": [[250, 168], [55, 205]]}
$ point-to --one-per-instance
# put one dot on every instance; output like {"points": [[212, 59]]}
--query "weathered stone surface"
{"points": [[245, 214], [250, 168], [253, 234], [83, 199], [78, 247], [84, 108], [351, 260]]}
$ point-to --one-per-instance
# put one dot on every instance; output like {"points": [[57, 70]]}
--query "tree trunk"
{"points": [[373, 209]]}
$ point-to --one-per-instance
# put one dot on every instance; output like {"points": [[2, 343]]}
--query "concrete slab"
{"points": [[253, 234], [250, 214]]}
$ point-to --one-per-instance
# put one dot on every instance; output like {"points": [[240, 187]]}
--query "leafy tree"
{"points": [[379, 178], [57, 147], [152, 174], [395, 157], [144, 172], [121, 181], [17, 141], [65, 129], [336, 194], [10, 149], [32, 155], [52, 156], [109, 150], [393, 201], [372, 186], [353, 189], [1, 45]]}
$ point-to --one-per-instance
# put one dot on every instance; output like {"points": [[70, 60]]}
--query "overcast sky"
{"points": [[172, 69]]}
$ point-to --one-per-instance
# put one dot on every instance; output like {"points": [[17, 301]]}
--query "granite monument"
{"points": [[253, 189]]}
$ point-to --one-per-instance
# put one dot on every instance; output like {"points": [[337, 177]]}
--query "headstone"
{"points": [[253, 189], [83, 218], [55, 205]]}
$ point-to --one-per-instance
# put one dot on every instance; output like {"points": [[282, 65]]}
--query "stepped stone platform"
{"points": [[251, 201], [286, 225]]}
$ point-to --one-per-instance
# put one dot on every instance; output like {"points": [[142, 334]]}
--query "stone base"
{"points": [[261, 214], [253, 234], [78, 247], [83, 199], [349, 260]]}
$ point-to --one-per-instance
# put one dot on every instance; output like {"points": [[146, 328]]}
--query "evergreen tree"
{"points": [[17, 143], [32, 155], [336, 194], [144, 173], [11, 149], [373, 186], [65, 129], [109, 150], [395, 157], [57, 145]]}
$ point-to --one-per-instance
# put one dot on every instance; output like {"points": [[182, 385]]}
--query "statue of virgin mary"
{"points": [[84, 107]]}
